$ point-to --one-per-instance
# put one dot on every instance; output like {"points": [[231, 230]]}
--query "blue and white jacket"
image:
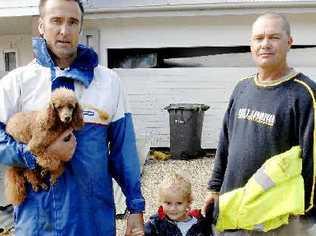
{"points": [[81, 202]]}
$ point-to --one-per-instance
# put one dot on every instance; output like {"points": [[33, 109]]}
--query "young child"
{"points": [[174, 216]]}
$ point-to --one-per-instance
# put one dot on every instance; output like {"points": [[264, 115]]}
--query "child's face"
{"points": [[175, 205]]}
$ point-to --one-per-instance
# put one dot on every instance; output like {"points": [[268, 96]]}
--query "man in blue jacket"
{"points": [[81, 202]]}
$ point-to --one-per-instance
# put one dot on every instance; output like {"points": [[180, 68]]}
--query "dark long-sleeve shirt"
{"points": [[262, 121]]}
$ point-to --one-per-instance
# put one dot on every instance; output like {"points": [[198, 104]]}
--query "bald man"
{"points": [[268, 113]]}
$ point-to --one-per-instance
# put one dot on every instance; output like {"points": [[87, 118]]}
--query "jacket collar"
{"points": [[82, 69]]}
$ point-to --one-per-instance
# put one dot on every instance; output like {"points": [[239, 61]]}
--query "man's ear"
{"points": [[40, 26], [290, 42]]}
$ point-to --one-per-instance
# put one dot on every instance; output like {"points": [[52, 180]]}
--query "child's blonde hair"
{"points": [[176, 183]]}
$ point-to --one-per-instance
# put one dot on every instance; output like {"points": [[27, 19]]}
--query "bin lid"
{"points": [[187, 106]]}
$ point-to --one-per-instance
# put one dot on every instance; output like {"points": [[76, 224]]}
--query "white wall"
{"points": [[150, 90], [22, 44], [187, 31], [168, 32]]}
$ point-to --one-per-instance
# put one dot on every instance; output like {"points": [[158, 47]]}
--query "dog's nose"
{"points": [[67, 118], [67, 138]]}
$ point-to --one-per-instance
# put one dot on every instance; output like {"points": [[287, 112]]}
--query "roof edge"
{"points": [[200, 9], [170, 9], [207, 6]]}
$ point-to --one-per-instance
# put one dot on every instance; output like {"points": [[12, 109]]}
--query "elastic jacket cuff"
{"points": [[136, 206], [213, 189]]}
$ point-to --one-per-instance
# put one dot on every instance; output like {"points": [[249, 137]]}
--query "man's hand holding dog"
{"points": [[63, 147]]}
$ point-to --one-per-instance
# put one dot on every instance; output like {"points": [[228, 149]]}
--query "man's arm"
{"points": [[124, 161], [220, 162], [11, 152], [125, 168], [305, 118], [219, 167]]}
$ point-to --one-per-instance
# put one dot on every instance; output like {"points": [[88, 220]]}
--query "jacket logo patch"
{"points": [[256, 116], [95, 115], [88, 113]]}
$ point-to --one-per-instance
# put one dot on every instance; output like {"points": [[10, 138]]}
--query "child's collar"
{"points": [[161, 213], [195, 213]]}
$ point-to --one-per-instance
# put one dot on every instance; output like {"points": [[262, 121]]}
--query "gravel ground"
{"points": [[198, 170]]}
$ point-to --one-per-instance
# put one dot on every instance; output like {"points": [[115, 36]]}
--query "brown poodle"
{"points": [[39, 129]]}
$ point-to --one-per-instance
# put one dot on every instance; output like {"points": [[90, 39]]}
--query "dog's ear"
{"points": [[51, 118], [77, 117]]}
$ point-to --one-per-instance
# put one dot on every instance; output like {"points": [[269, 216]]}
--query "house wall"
{"points": [[22, 44], [168, 32], [150, 90], [187, 31]]}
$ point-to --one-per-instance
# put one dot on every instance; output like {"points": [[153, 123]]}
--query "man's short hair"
{"points": [[43, 2], [285, 23]]}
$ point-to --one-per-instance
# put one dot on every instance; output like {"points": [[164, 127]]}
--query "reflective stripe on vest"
{"points": [[258, 227], [263, 179]]}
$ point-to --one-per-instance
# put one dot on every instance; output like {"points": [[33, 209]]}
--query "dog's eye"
{"points": [[67, 138], [70, 106]]}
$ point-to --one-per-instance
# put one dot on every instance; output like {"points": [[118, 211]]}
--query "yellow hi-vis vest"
{"points": [[271, 195]]}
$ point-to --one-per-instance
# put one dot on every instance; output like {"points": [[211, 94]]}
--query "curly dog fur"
{"points": [[39, 129]]}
